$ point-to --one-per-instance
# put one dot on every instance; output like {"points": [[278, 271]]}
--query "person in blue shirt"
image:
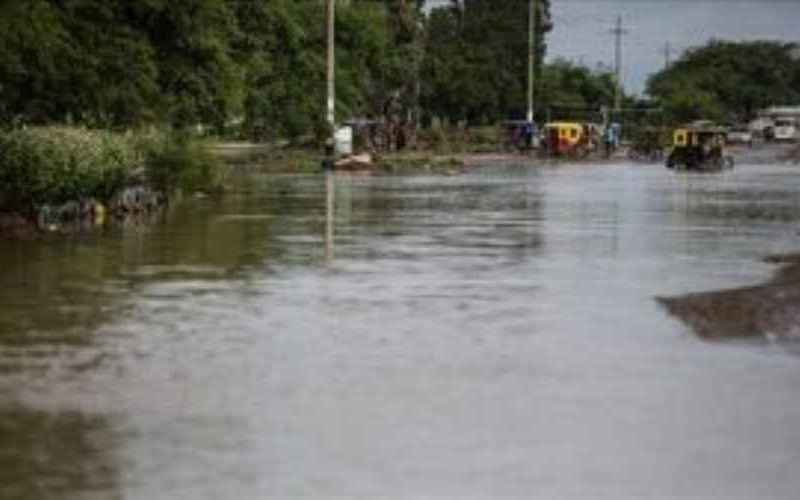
{"points": [[611, 137], [530, 133]]}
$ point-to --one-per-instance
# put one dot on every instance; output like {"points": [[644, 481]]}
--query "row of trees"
{"points": [[476, 58], [122, 63], [728, 81], [260, 64]]}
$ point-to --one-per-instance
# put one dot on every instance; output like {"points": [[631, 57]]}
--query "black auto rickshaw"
{"points": [[700, 148]]}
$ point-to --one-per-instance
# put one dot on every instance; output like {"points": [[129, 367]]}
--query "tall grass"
{"points": [[180, 161], [53, 165]]}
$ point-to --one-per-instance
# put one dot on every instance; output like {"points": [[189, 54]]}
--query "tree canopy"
{"points": [[260, 65], [123, 63], [476, 59], [728, 81]]}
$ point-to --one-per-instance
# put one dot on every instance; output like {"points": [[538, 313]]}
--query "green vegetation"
{"points": [[54, 165], [180, 161], [728, 81], [82, 74], [255, 70], [574, 86], [475, 69], [254, 67], [476, 60]]}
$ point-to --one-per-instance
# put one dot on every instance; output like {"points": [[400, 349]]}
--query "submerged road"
{"points": [[481, 336]]}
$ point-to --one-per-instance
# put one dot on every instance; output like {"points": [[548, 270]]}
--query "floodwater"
{"points": [[491, 335]]}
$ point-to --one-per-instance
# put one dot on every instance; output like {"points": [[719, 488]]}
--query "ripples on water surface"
{"points": [[482, 336]]}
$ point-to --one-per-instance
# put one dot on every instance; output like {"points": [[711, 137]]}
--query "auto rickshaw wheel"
{"points": [[672, 160]]}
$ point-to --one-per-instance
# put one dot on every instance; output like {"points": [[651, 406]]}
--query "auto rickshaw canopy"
{"points": [[697, 136], [571, 131]]}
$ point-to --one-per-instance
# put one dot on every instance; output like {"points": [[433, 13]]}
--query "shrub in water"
{"points": [[57, 164], [53, 165], [180, 161]]}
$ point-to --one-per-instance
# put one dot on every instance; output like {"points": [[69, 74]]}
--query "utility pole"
{"points": [[667, 55], [618, 32], [532, 8], [330, 16]]}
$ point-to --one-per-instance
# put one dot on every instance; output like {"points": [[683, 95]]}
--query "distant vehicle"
{"points": [[740, 135], [785, 129], [759, 125], [572, 139], [700, 148]]}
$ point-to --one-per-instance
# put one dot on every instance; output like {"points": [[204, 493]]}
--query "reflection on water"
{"points": [[330, 206], [489, 335]]}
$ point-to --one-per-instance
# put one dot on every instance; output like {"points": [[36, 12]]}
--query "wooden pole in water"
{"points": [[330, 212]]}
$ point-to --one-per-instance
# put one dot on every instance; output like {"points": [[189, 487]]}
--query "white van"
{"points": [[785, 129]]}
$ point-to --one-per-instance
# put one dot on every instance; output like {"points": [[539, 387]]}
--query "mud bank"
{"points": [[771, 310]]}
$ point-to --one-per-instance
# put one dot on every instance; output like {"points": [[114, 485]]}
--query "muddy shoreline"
{"points": [[771, 310]]}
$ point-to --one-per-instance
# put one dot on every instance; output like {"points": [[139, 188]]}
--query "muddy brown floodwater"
{"points": [[490, 335]]}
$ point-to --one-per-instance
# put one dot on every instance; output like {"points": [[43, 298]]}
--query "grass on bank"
{"points": [[437, 148], [53, 165]]}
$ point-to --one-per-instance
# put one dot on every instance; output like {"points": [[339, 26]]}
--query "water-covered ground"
{"points": [[481, 336]]}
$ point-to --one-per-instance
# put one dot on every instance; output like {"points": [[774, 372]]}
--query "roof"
{"points": [[780, 110], [710, 129], [563, 124], [361, 122]]}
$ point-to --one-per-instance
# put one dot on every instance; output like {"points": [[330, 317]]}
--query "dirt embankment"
{"points": [[771, 310]]}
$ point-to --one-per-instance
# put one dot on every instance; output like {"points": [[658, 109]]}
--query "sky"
{"points": [[582, 29]]}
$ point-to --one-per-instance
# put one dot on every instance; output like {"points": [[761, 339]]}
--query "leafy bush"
{"points": [[57, 164], [53, 165], [180, 161]]}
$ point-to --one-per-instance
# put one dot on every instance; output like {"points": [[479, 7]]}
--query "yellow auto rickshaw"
{"points": [[699, 147], [573, 139]]}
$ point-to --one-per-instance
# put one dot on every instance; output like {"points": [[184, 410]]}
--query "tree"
{"points": [[32, 44], [568, 84], [198, 79], [280, 45], [280, 49], [477, 59], [117, 63], [728, 81]]}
